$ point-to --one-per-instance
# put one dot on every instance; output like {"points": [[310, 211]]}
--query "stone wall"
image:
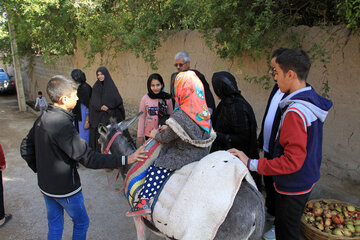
{"points": [[341, 165]]}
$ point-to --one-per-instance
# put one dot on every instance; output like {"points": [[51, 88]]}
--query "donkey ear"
{"points": [[103, 130], [128, 122]]}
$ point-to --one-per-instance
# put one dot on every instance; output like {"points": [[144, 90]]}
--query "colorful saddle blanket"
{"points": [[137, 174]]}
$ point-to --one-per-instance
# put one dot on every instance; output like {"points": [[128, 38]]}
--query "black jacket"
{"points": [[234, 119], [235, 128], [53, 147]]}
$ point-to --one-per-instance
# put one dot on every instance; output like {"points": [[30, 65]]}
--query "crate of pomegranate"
{"points": [[329, 219]]}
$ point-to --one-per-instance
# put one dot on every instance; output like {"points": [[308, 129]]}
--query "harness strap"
{"points": [[140, 228], [106, 152], [111, 142], [116, 179]]}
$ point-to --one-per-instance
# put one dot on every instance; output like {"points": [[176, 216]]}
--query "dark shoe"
{"points": [[7, 219], [141, 208]]}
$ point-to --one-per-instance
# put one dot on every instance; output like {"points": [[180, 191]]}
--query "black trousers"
{"points": [[289, 209], [2, 210], [270, 191], [93, 141]]}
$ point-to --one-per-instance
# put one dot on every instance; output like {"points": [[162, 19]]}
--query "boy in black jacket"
{"points": [[53, 147]]}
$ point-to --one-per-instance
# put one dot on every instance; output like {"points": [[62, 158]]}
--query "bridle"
{"points": [[107, 149]]}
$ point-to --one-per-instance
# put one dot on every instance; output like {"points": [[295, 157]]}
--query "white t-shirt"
{"points": [[41, 102], [269, 119]]}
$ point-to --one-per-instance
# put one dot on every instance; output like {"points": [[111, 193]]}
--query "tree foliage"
{"points": [[136, 25], [45, 27], [349, 10], [232, 27]]}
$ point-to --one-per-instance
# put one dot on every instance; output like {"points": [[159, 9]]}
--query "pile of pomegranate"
{"points": [[334, 218]]}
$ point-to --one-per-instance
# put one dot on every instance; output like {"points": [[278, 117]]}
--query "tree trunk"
{"points": [[17, 69]]}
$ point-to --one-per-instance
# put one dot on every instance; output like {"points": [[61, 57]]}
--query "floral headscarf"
{"points": [[189, 94]]}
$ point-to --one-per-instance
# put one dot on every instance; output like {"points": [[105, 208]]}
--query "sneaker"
{"points": [[270, 235], [269, 217], [141, 208], [7, 219]]}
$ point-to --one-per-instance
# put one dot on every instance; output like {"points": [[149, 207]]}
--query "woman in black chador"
{"points": [[234, 120], [81, 109], [105, 103]]}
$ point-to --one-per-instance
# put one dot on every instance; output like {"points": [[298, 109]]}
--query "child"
{"points": [[297, 152], [52, 149], [156, 105], [186, 137], [4, 218], [41, 102]]}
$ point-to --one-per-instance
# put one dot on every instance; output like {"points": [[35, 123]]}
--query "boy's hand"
{"points": [[153, 133], [138, 155], [240, 154]]}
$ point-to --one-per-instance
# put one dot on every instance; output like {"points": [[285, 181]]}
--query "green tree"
{"points": [[46, 27], [232, 27], [137, 26], [349, 11]]}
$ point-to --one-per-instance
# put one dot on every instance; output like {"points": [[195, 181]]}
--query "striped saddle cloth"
{"points": [[135, 178]]}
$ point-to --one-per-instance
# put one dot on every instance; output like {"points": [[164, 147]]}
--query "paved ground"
{"points": [[24, 200]]}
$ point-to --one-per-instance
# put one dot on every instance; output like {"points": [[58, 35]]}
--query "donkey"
{"points": [[246, 217]]}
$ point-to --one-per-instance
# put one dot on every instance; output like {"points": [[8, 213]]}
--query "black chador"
{"points": [[104, 93]]}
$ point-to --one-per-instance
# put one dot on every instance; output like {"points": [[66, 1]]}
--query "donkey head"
{"points": [[116, 139]]}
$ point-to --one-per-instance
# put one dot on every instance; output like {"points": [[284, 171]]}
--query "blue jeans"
{"points": [[75, 207]]}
